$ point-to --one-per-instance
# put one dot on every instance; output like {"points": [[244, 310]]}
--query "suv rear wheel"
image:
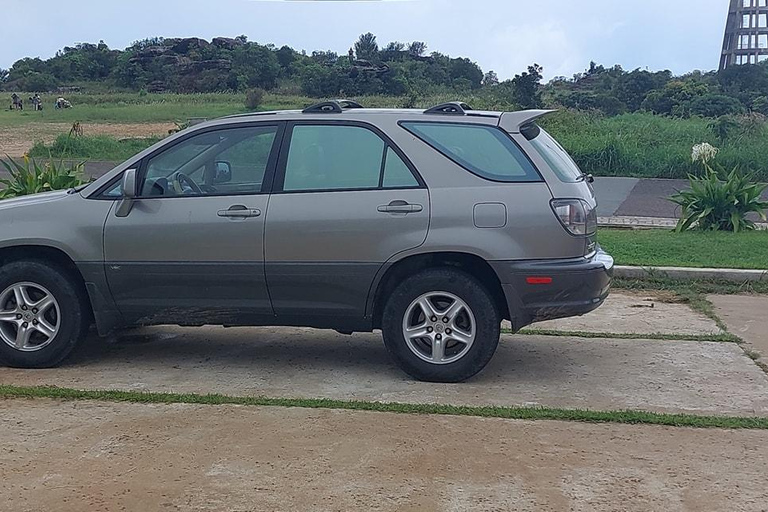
{"points": [[42, 315], [441, 325]]}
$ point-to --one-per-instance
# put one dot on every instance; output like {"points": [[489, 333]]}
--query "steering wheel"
{"points": [[180, 179]]}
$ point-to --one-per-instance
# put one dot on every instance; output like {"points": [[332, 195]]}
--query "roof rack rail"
{"points": [[331, 107], [454, 108]]}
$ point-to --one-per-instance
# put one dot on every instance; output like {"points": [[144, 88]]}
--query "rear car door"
{"points": [[345, 201], [191, 249]]}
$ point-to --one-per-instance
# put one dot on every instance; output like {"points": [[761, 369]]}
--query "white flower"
{"points": [[704, 152]]}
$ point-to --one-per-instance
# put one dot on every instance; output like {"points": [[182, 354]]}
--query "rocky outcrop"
{"points": [[226, 42], [189, 43]]}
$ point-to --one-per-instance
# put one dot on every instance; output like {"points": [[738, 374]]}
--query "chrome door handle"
{"points": [[239, 211], [400, 207]]}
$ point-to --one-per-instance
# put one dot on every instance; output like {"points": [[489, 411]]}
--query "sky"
{"points": [[501, 35]]}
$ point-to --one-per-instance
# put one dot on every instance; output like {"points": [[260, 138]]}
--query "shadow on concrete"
{"points": [[260, 351]]}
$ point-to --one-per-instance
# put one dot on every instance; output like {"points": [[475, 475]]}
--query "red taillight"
{"points": [[576, 216], [538, 280]]}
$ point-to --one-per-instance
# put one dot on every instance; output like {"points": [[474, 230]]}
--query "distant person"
{"points": [[62, 103], [37, 102], [16, 102]]}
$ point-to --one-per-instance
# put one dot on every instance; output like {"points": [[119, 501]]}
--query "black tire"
{"points": [[74, 316], [463, 286]]}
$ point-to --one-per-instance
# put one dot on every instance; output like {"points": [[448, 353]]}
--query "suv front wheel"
{"points": [[42, 315], [441, 325]]}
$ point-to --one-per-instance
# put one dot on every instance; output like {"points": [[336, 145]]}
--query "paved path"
{"points": [[630, 197]]}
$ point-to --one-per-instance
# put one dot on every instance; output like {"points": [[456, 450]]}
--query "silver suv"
{"points": [[433, 226]]}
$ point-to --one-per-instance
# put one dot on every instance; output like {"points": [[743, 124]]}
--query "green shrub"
{"points": [[715, 105], [254, 98], [724, 127], [101, 147], [760, 105], [30, 177], [716, 204]]}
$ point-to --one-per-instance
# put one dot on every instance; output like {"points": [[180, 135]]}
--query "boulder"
{"points": [[189, 43]]}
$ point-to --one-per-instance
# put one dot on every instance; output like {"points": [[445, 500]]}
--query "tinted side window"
{"points": [[483, 150], [324, 157], [221, 162], [396, 173]]}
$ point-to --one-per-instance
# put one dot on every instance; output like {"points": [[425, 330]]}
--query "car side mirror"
{"points": [[129, 193], [129, 184], [223, 173]]}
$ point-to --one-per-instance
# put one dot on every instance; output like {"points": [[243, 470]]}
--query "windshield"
{"points": [[556, 157]]}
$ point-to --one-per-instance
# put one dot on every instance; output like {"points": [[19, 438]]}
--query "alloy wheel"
{"points": [[439, 328], [30, 317]]}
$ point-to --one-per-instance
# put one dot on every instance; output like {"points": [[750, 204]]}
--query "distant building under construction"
{"points": [[746, 33]]}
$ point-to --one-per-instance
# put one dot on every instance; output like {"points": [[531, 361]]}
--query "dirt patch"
{"points": [[597, 374], [17, 140], [111, 456]]}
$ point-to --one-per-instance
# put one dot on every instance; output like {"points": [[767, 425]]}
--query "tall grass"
{"points": [[100, 147], [645, 145]]}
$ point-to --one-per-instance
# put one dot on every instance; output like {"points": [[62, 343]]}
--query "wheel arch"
{"points": [[399, 270], [53, 256]]}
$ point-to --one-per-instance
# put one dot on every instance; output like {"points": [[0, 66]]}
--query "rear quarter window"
{"points": [[485, 151], [556, 157]]}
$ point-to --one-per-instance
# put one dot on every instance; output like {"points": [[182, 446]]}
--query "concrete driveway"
{"points": [[598, 374], [115, 456], [101, 455]]}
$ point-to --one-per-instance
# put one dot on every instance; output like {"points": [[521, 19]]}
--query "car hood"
{"points": [[44, 197]]}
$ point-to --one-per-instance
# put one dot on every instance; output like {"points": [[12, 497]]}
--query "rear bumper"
{"points": [[565, 288]]}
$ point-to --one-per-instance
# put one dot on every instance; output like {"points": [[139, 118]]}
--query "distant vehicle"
{"points": [[432, 226]]}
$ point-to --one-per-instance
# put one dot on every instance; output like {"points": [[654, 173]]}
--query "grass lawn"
{"points": [[659, 248], [151, 108]]}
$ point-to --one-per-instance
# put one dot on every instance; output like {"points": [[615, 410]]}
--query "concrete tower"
{"points": [[746, 33]]}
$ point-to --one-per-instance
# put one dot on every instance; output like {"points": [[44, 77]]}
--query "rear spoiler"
{"points": [[513, 121]]}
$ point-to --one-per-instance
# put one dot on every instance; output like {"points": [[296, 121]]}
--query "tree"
{"points": [[325, 57], [675, 97], [285, 57], [632, 88], [715, 105], [39, 82], [392, 52], [745, 82], [3, 75], [491, 78], [527, 88], [417, 48], [465, 71], [366, 47], [257, 64]]}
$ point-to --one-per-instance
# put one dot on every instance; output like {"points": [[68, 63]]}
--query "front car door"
{"points": [[345, 201], [190, 251]]}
